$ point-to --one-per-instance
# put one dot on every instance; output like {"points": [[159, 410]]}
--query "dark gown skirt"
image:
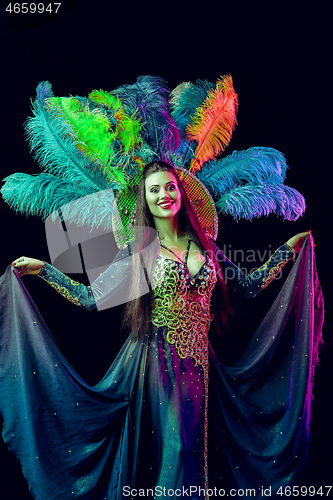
{"points": [[140, 431]]}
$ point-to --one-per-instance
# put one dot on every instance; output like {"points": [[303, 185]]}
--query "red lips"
{"points": [[165, 204]]}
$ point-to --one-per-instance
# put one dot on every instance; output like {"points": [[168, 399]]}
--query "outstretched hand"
{"points": [[296, 242], [26, 265]]}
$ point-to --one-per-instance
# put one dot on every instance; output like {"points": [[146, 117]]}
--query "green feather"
{"points": [[92, 128], [128, 127], [53, 144]]}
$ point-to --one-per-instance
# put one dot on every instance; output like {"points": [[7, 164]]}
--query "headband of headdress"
{"points": [[92, 150]]}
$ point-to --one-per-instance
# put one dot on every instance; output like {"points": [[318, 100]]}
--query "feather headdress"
{"points": [[92, 151]]}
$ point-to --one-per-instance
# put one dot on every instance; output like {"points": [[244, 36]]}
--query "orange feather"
{"points": [[214, 122]]}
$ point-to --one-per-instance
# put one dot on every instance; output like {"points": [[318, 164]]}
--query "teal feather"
{"points": [[184, 101], [52, 144], [44, 193], [68, 175], [247, 202], [257, 165]]}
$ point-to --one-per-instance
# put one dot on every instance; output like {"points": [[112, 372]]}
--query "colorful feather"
{"points": [[128, 128], [257, 165], [44, 194], [54, 147], [184, 101], [92, 129], [132, 163], [176, 95], [105, 98], [149, 97], [183, 156], [247, 202], [214, 122], [91, 147], [44, 91]]}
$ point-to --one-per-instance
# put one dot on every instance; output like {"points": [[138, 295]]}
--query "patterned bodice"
{"points": [[182, 304]]}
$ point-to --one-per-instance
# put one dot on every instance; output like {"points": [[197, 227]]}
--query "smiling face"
{"points": [[162, 194]]}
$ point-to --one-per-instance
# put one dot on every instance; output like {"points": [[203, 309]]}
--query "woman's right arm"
{"points": [[88, 297]]}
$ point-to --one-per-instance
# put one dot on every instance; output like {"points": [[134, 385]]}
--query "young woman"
{"points": [[145, 427]]}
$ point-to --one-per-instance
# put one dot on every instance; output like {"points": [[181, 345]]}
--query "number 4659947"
{"points": [[309, 491], [32, 8]]}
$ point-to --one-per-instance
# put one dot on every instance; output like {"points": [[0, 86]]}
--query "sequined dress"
{"points": [[145, 426]]}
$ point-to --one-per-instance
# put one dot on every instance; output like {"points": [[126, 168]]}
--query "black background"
{"points": [[279, 57]]}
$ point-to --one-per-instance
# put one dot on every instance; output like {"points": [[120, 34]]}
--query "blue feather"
{"points": [[247, 202], [257, 165], [184, 101], [43, 194], [149, 97], [183, 155], [44, 91]]}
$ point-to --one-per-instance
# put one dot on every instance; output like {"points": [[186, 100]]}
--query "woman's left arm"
{"points": [[296, 242], [250, 285]]}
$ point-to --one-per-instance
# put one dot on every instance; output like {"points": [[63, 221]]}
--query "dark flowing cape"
{"points": [[72, 439]]}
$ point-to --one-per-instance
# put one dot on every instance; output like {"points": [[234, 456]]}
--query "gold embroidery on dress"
{"points": [[75, 283], [272, 273], [188, 321]]}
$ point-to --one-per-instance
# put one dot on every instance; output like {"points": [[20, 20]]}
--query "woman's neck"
{"points": [[168, 229]]}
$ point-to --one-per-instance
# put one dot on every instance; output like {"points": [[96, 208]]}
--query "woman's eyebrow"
{"points": [[158, 185]]}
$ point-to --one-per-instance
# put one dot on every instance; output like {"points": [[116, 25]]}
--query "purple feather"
{"points": [[44, 91], [148, 96]]}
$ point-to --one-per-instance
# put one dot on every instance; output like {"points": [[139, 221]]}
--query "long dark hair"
{"points": [[138, 312]]}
